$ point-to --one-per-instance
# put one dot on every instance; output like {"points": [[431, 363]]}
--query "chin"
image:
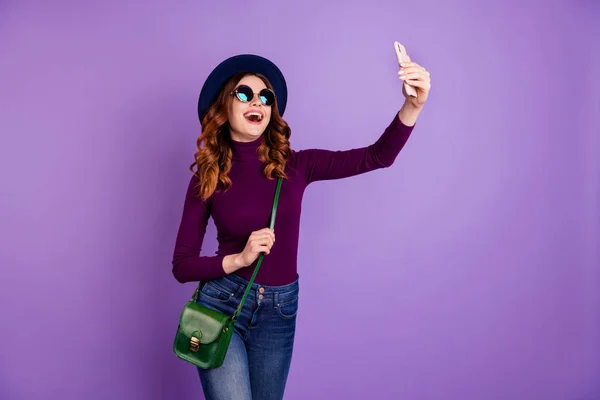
{"points": [[248, 132], [256, 131]]}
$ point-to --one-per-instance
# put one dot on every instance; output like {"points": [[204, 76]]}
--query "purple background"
{"points": [[469, 270]]}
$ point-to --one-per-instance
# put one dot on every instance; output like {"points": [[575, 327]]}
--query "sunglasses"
{"points": [[245, 94]]}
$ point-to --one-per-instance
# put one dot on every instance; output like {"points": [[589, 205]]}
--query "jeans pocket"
{"points": [[288, 309], [212, 291]]}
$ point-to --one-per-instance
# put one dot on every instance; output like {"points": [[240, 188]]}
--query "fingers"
{"points": [[409, 64], [256, 235], [414, 77], [419, 83], [406, 70], [264, 230], [266, 239], [412, 67], [414, 73], [262, 241], [417, 77], [262, 233], [262, 248]]}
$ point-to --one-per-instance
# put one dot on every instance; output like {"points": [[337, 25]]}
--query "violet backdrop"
{"points": [[468, 270]]}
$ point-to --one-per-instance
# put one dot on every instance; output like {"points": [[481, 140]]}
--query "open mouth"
{"points": [[254, 117]]}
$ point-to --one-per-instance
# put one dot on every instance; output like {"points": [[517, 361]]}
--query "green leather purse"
{"points": [[203, 334]]}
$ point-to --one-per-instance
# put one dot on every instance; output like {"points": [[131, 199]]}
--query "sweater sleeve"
{"points": [[188, 265], [327, 164]]}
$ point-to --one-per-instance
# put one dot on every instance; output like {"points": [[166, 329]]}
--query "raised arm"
{"points": [[188, 265], [321, 164]]}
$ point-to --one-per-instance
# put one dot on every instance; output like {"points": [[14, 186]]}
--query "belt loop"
{"points": [[276, 299]]}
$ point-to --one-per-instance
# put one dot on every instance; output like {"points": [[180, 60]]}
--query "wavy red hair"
{"points": [[213, 158]]}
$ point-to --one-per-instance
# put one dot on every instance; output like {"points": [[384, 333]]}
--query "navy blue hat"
{"points": [[241, 63]]}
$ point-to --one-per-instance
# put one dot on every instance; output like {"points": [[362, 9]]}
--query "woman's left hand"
{"points": [[417, 77]]}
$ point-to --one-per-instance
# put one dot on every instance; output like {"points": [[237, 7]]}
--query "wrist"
{"points": [[409, 112], [232, 263], [410, 106], [238, 261]]}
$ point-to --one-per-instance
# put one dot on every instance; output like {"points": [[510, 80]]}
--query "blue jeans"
{"points": [[260, 353]]}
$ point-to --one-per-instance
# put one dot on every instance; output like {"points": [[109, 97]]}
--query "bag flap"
{"points": [[196, 317]]}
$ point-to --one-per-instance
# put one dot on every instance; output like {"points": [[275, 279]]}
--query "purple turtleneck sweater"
{"points": [[247, 206]]}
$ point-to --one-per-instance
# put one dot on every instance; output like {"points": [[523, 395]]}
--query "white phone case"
{"points": [[402, 57]]}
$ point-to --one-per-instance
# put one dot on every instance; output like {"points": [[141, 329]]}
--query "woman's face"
{"points": [[244, 122]]}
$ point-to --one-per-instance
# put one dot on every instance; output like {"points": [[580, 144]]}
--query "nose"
{"points": [[256, 100]]}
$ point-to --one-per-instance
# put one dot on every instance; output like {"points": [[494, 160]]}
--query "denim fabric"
{"points": [[259, 356]]}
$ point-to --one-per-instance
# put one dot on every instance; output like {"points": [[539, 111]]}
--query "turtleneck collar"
{"points": [[245, 151]]}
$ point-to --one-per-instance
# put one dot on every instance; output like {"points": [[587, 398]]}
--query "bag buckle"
{"points": [[194, 344]]}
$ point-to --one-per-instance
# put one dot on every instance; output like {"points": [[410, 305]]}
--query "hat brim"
{"points": [[242, 63]]}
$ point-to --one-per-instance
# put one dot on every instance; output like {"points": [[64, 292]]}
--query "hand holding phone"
{"points": [[403, 57]]}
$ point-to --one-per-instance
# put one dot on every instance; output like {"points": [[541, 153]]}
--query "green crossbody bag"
{"points": [[203, 334]]}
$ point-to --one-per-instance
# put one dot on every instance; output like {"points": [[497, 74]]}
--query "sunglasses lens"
{"points": [[244, 93], [267, 97]]}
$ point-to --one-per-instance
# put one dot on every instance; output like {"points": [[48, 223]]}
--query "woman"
{"points": [[244, 147]]}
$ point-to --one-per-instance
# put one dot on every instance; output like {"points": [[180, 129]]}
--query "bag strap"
{"points": [[260, 258]]}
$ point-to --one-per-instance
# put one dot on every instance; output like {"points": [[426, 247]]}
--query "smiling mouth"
{"points": [[254, 117]]}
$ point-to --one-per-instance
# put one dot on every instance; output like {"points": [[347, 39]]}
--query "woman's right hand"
{"points": [[259, 241]]}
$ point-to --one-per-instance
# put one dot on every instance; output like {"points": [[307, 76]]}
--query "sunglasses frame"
{"points": [[236, 93]]}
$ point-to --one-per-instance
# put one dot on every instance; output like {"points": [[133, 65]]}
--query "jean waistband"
{"points": [[236, 285]]}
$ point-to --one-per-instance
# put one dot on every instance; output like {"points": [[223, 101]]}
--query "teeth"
{"points": [[259, 115]]}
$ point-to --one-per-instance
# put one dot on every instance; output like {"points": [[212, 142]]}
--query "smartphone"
{"points": [[402, 57]]}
